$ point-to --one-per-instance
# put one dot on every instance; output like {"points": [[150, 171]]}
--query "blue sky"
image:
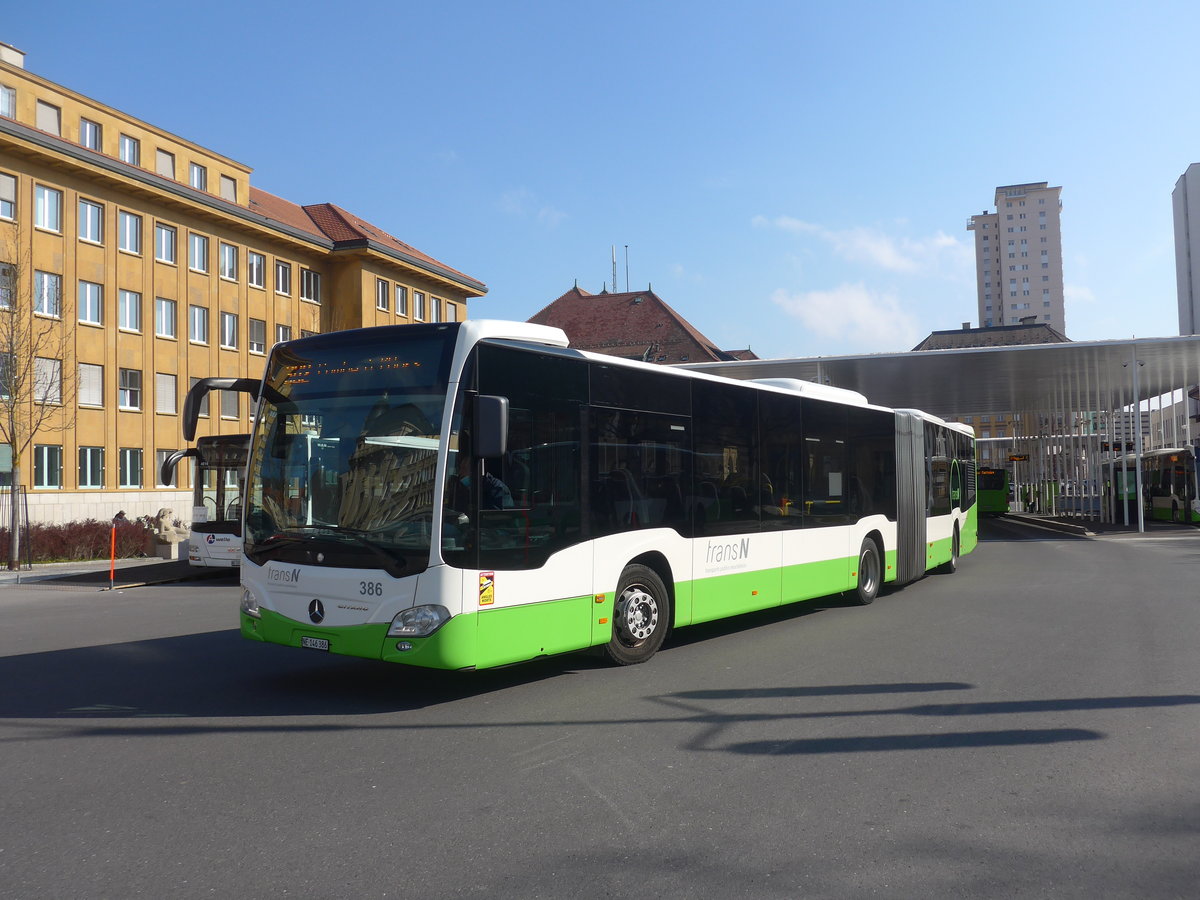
{"points": [[793, 177]]}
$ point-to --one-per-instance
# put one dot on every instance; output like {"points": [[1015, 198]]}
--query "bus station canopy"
{"points": [[1077, 376]]}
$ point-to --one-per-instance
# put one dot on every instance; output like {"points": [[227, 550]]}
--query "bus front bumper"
{"points": [[451, 647]]}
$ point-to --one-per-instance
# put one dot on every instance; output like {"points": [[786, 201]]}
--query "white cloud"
{"points": [[874, 247], [524, 204], [548, 215], [679, 272], [860, 319], [1077, 293]]}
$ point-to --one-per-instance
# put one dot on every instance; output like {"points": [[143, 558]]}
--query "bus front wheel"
{"points": [[870, 573], [640, 616]]}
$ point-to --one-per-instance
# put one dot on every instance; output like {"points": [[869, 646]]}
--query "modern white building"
{"points": [[1185, 201], [1018, 257]]}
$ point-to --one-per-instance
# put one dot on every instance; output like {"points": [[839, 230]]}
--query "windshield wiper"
{"points": [[394, 563]]}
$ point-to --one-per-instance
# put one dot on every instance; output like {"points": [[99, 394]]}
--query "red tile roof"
{"points": [[330, 222], [636, 324], [341, 225], [283, 211]]}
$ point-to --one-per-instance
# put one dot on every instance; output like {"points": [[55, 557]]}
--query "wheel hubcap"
{"points": [[869, 569], [637, 613]]}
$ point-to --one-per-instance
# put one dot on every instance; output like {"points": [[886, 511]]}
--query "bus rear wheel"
{"points": [[870, 573], [640, 616]]}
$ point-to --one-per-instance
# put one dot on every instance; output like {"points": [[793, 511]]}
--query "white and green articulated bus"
{"points": [[484, 495]]}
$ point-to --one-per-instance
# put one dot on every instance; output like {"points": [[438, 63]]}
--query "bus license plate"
{"points": [[315, 643]]}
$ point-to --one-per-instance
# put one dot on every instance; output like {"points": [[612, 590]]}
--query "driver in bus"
{"points": [[493, 494]]}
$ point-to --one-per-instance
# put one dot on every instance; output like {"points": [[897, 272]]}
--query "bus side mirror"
{"points": [[490, 439]]}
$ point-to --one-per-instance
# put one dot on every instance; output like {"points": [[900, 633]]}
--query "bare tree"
{"points": [[37, 369]]}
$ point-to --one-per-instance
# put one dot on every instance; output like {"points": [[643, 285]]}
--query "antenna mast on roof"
{"points": [[614, 262], [627, 268]]}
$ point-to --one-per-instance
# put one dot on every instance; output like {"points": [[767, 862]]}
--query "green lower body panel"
{"points": [[731, 595], [515, 633]]}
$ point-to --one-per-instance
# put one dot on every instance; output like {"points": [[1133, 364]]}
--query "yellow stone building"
{"points": [[157, 262]]}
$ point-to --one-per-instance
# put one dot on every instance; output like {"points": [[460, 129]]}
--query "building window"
{"points": [[418, 306], [197, 253], [229, 404], [129, 149], [129, 311], [229, 331], [283, 333], [435, 306], [91, 303], [164, 317], [47, 208], [198, 324], [164, 394], [229, 262], [160, 457], [8, 196], [198, 176], [165, 237], [401, 300], [47, 465], [451, 312], [91, 467], [91, 385], [164, 164], [256, 267], [131, 467], [47, 380], [8, 101], [90, 134], [91, 222], [47, 294], [202, 410], [382, 294], [129, 389], [283, 278], [257, 336], [129, 232], [228, 189], [49, 118], [310, 285]]}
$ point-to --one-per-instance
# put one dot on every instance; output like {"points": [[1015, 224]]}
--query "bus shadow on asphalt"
{"points": [[219, 674]]}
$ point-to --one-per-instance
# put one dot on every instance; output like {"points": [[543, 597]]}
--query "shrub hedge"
{"points": [[88, 539]]}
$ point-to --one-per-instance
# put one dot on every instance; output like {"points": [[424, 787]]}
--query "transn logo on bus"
{"points": [[283, 575], [734, 550]]}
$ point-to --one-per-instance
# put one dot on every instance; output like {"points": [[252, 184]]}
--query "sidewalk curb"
{"points": [[1051, 524], [198, 575]]}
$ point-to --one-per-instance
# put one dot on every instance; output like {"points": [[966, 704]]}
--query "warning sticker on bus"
{"points": [[487, 588]]}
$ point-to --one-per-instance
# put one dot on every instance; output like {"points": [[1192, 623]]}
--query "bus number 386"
{"points": [[370, 588]]}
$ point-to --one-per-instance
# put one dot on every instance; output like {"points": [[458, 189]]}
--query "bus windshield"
{"points": [[342, 462], [218, 483]]}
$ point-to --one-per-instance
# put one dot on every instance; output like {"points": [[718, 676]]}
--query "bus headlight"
{"points": [[420, 621], [250, 604]]}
